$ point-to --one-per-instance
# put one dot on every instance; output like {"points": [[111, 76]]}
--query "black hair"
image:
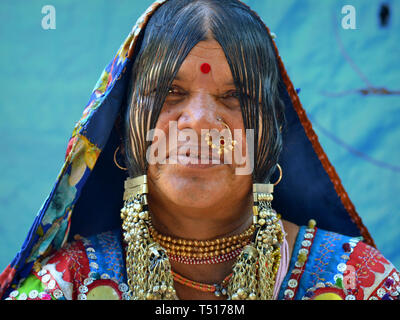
{"points": [[170, 34]]}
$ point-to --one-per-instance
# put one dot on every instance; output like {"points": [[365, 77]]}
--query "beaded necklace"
{"points": [[202, 251], [217, 289], [214, 260]]}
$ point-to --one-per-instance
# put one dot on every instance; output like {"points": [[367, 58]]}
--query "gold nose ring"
{"points": [[222, 146]]}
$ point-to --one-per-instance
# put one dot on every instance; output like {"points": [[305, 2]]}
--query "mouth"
{"points": [[194, 157]]}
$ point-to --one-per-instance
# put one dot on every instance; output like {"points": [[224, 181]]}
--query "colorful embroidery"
{"points": [[326, 250], [87, 269], [106, 279], [113, 255], [299, 266], [68, 267], [338, 267], [370, 270]]}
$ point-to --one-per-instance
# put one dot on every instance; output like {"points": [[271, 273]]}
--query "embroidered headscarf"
{"points": [[87, 196]]}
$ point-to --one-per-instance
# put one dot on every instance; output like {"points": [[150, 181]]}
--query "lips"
{"points": [[194, 155]]}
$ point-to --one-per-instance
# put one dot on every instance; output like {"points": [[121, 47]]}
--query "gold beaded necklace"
{"points": [[201, 249]]}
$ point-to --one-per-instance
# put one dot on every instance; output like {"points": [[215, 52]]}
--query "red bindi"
{"points": [[205, 68]]}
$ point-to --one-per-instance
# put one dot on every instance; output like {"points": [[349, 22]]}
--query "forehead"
{"points": [[211, 52]]}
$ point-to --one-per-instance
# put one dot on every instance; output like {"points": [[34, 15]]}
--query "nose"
{"points": [[199, 112]]}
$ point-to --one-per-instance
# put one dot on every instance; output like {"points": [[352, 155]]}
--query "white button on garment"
{"points": [[51, 285], [350, 297], [342, 267], [46, 278], [308, 236], [57, 294], [292, 283], [42, 272], [83, 289], [14, 293], [380, 292], [82, 296], [33, 294], [92, 256], [373, 298], [126, 296], [306, 243], [123, 287], [94, 265], [303, 251], [289, 293], [87, 281], [23, 296]]}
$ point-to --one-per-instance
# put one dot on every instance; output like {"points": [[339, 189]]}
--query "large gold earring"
{"points": [[147, 265], [116, 162], [257, 266]]}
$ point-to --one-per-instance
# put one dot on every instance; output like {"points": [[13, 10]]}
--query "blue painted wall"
{"points": [[47, 76]]}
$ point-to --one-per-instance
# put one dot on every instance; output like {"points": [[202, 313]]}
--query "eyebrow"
{"points": [[229, 83]]}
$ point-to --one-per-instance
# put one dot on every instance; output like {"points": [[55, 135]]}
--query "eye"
{"points": [[231, 94], [175, 91]]}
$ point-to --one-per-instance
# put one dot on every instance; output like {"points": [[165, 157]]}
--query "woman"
{"points": [[199, 102]]}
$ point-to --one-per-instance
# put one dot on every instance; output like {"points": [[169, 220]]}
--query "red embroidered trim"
{"points": [[366, 263], [387, 288], [298, 270]]}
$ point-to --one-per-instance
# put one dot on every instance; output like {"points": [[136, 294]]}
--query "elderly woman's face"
{"points": [[197, 102]]}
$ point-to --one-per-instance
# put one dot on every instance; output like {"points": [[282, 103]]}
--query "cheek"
{"points": [[166, 116]]}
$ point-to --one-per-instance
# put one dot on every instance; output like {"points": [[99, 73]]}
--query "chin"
{"points": [[195, 187]]}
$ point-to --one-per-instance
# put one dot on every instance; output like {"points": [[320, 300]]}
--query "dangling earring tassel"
{"points": [[159, 274], [148, 267], [256, 268], [243, 284], [268, 240]]}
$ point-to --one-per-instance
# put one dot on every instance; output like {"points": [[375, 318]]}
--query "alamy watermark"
{"points": [[211, 146], [49, 20], [349, 20]]}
